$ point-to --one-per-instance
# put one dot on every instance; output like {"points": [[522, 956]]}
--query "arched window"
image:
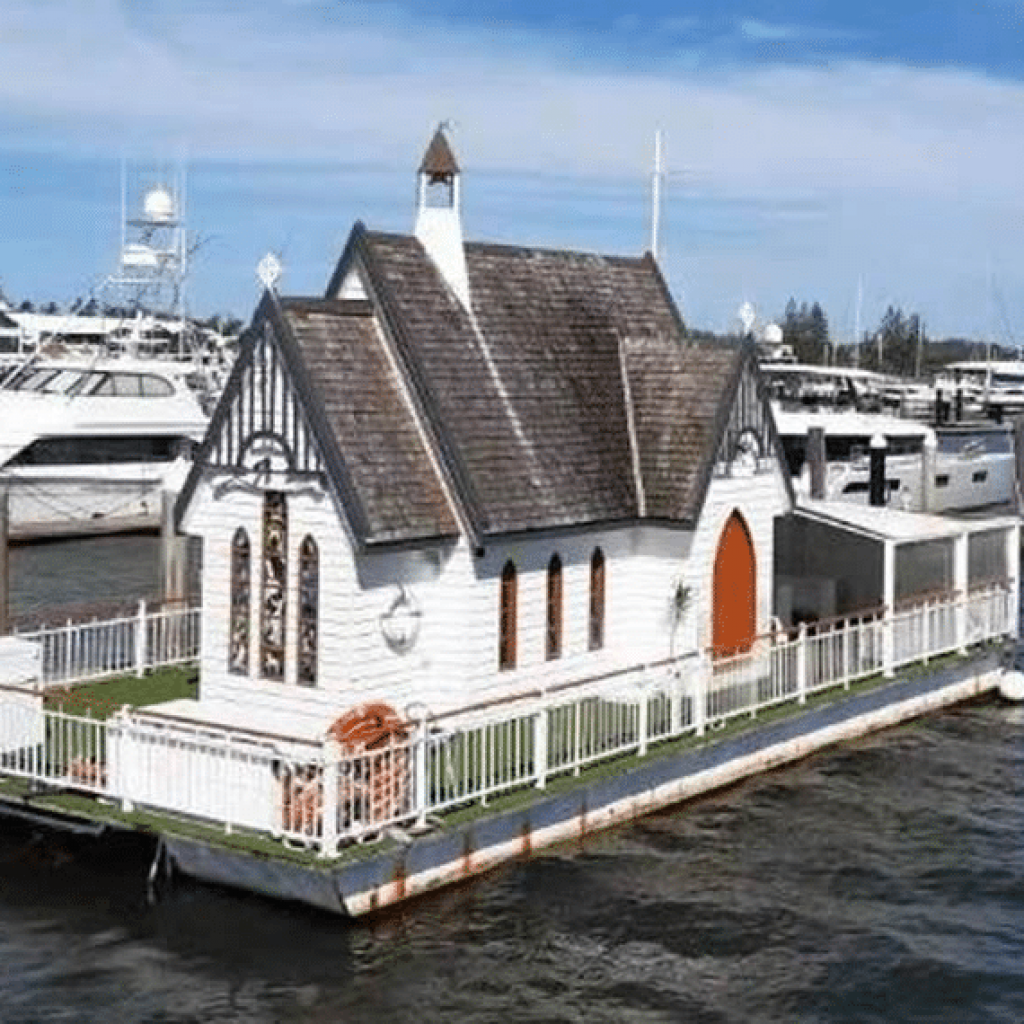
{"points": [[275, 576], [554, 631], [507, 618], [597, 599], [241, 588], [309, 606]]}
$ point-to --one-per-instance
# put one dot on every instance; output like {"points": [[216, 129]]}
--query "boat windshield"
{"points": [[96, 383], [46, 380]]}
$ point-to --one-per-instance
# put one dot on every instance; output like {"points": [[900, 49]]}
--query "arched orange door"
{"points": [[734, 590]]}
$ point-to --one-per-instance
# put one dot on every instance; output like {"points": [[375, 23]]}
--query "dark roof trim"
{"points": [[649, 261], [216, 424], [584, 528], [747, 356], [269, 311], [344, 263], [454, 476], [337, 473]]}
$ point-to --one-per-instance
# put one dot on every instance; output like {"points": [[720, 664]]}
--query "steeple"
{"points": [[438, 216]]}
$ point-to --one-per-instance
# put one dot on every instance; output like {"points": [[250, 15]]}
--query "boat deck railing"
{"points": [[322, 795]]}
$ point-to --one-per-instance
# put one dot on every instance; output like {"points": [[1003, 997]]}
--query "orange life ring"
{"points": [[368, 727]]}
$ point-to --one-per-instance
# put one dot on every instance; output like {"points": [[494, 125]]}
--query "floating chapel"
{"points": [[471, 470]]}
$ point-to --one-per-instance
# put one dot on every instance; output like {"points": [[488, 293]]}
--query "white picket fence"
{"points": [[80, 651], [321, 796]]}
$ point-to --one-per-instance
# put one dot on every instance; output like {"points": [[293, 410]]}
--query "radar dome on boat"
{"points": [[158, 204], [773, 334]]}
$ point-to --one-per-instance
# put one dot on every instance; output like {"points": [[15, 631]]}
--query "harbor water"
{"points": [[879, 881]]}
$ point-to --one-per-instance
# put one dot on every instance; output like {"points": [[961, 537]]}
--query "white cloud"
{"points": [[267, 84], [362, 83], [768, 31]]}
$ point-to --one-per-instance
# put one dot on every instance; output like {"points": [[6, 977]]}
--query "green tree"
{"points": [[805, 328], [898, 345]]}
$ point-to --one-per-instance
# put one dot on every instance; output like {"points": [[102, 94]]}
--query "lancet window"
{"points": [[553, 647], [507, 618], [597, 600], [275, 575], [241, 588], [309, 607]]}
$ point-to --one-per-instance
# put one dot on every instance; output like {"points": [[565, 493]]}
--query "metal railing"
{"points": [[321, 794], [80, 651]]}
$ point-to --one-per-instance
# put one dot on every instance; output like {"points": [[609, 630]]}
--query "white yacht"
{"points": [[942, 469], [88, 443], [993, 385]]}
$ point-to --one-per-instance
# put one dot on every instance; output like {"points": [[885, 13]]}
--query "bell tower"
{"points": [[438, 215]]}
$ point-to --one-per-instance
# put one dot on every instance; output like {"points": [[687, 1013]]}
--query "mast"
{"points": [[656, 185], [856, 322]]}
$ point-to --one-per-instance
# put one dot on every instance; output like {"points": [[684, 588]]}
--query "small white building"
{"points": [[469, 470]]}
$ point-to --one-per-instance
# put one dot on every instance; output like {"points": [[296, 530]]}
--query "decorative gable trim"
{"points": [[269, 429], [747, 434], [453, 475], [264, 426], [744, 413]]}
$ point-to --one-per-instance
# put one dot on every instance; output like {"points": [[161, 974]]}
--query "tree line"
{"points": [[898, 345]]}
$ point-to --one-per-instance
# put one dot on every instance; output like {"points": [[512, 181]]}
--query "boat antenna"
{"points": [[656, 185], [856, 322]]}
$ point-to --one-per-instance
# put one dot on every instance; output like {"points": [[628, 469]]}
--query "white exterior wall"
{"points": [[454, 660], [759, 499]]}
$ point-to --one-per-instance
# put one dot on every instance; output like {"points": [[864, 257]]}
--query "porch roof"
{"points": [[891, 524]]}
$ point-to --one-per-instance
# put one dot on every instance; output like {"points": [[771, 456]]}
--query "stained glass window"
{"points": [[275, 575], [507, 618], [309, 600], [241, 586], [597, 600], [554, 632]]}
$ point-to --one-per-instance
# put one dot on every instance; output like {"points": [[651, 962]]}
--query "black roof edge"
{"points": [[570, 529], [337, 473], [747, 356], [725, 404], [244, 358], [341, 267], [387, 545], [456, 479], [649, 259]]}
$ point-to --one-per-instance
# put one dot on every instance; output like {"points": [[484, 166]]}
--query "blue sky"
{"points": [[810, 146]]}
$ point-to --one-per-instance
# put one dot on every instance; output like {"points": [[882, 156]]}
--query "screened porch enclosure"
{"points": [[837, 560]]}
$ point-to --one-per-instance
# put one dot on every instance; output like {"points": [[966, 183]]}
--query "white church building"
{"points": [[471, 470]]}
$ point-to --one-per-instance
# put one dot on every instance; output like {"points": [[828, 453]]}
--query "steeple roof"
{"points": [[439, 161]]}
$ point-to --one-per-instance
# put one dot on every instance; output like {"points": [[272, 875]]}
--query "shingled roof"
{"points": [[568, 396], [359, 398]]}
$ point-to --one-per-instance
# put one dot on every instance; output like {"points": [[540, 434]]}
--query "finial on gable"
{"points": [[269, 271]]}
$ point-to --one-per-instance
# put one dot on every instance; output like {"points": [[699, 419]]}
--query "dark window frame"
{"points": [[507, 617]]}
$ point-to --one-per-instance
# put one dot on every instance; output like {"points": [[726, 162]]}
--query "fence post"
{"points": [[641, 720], [420, 795], [801, 663], [140, 641], [540, 747], [701, 678], [888, 641], [331, 754], [119, 765]]}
